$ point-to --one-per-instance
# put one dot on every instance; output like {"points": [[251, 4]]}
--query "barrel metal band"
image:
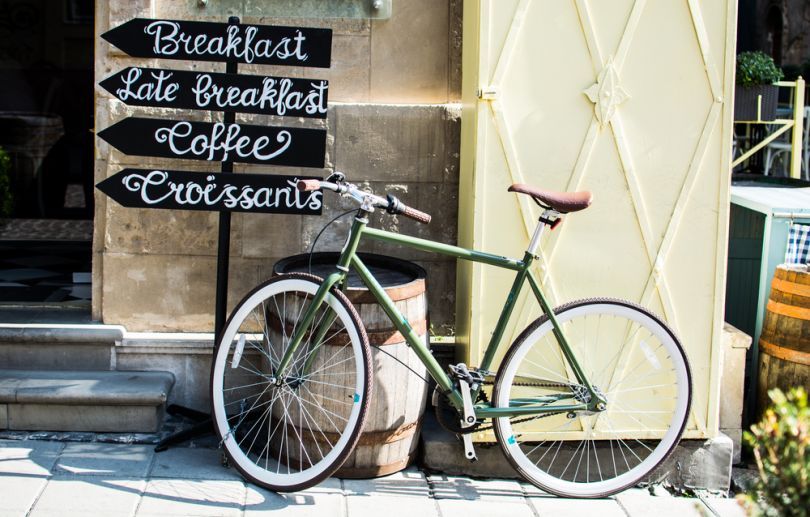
{"points": [[791, 311], [383, 437], [785, 286], [786, 354]]}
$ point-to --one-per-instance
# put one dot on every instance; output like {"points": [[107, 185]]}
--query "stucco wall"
{"points": [[392, 123]]}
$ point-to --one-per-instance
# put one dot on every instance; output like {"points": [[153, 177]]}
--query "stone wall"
{"points": [[393, 125]]}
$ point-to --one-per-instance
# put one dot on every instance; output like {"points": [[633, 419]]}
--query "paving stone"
{"points": [[19, 493], [192, 463], [459, 496], [28, 457], [326, 499], [639, 503], [561, 507], [725, 507], [192, 497], [89, 496], [104, 459], [401, 494]]}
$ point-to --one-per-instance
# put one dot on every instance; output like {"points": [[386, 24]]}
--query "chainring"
{"points": [[449, 417]]}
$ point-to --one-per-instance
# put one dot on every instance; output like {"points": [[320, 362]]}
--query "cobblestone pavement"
{"points": [[48, 478]]}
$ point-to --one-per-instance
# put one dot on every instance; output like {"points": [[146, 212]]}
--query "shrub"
{"points": [[755, 68], [781, 447], [6, 199]]}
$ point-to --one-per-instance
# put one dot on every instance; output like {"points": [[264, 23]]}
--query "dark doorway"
{"points": [[46, 143], [773, 33]]}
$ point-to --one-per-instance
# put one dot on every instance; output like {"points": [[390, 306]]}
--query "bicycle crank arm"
{"points": [[469, 451], [468, 416]]}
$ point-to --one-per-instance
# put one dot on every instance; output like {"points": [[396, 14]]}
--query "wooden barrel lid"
{"points": [[400, 278]]}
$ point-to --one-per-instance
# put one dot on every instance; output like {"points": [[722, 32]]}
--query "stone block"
{"points": [[693, 464], [735, 346], [58, 347], [159, 292], [94, 418], [73, 387], [272, 235], [166, 232], [409, 54], [325, 498], [79, 497], [187, 357], [545, 504], [395, 144], [639, 502], [454, 66], [121, 12], [187, 463], [460, 496], [28, 458], [56, 356], [20, 492], [103, 459], [348, 76], [412, 496], [213, 498], [699, 464]]}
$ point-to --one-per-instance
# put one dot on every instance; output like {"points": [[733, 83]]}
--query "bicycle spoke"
{"points": [[626, 355]]}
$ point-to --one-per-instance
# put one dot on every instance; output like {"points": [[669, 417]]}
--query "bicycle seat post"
{"points": [[549, 217]]}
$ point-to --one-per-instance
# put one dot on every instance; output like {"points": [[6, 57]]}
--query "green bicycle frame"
{"points": [[349, 259]]}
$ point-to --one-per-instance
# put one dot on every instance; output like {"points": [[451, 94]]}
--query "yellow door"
{"points": [[630, 99]]}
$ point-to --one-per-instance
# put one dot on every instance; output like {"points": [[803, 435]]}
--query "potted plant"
{"points": [[756, 75]]}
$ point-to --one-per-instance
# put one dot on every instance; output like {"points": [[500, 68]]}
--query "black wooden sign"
{"points": [[207, 41], [159, 88], [221, 142], [182, 190]]}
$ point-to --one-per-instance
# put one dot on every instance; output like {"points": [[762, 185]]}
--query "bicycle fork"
{"points": [[317, 334]]}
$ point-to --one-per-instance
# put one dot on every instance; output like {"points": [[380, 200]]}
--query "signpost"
{"points": [[219, 142], [223, 42], [159, 88], [227, 141], [182, 190]]}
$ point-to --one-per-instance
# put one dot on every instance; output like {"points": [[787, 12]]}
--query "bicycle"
{"points": [[291, 378]]}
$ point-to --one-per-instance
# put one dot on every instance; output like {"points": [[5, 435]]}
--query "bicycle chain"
{"points": [[482, 397]]}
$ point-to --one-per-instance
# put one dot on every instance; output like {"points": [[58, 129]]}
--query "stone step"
{"points": [[92, 401], [59, 347]]}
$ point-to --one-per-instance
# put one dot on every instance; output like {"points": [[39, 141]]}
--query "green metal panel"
{"points": [[746, 231]]}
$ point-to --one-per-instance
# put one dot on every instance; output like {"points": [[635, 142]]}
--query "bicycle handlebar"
{"points": [[391, 204]]}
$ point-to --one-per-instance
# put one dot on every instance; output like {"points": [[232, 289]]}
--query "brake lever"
{"points": [[336, 177]]}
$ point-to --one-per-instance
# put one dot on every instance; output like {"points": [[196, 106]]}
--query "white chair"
{"points": [[782, 147]]}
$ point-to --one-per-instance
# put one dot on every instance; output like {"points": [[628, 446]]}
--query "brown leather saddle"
{"points": [[562, 202]]}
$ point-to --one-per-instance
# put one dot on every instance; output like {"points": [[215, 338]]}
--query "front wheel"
{"points": [[632, 359], [289, 432]]}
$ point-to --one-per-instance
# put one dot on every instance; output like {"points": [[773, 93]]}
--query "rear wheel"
{"points": [[290, 433], [630, 357]]}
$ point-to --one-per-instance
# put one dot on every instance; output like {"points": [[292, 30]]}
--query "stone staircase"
{"points": [[64, 378]]}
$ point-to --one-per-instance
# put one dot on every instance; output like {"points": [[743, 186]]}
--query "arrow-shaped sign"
{"points": [[207, 41], [183, 190], [159, 88], [298, 147]]}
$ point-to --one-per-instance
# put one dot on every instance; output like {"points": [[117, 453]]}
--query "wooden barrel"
{"points": [[391, 434], [784, 344]]}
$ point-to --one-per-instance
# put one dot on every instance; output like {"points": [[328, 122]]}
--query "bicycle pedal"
{"points": [[469, 450]]}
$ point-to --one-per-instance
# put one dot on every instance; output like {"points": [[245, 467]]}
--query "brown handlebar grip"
{"points": [[414, 214], [308, 185]]}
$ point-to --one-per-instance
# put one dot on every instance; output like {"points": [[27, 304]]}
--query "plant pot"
{"points": [[745, 102]]}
